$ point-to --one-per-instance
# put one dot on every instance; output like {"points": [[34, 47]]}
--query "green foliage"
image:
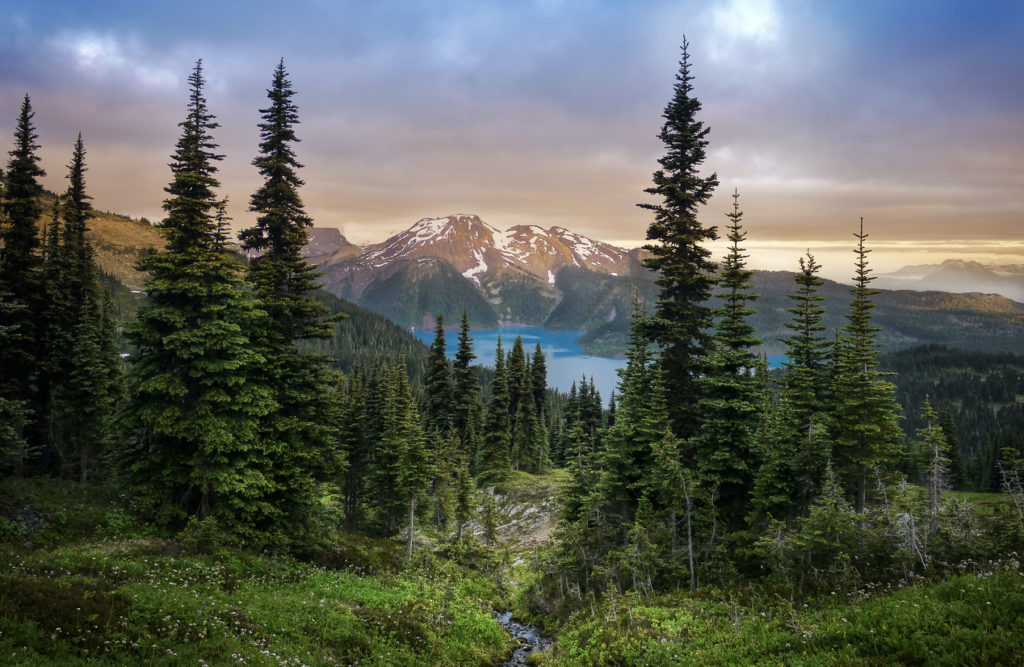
{"points": [[973, 618], [129, 606], [730, 398], [685, 271], [21, 291], [976, 396], [864, 415], [493, 457], [192, 416]]}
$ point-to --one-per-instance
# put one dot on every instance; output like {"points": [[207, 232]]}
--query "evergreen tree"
{"points": [[796, 446], [352, 440], [957, 474], [193, 411], [14, 412], [493, 461], [539, 373], [91, 386], [641, 421], [391, 475], [21, 281], [685, 272], [414, 478], [730, 396], [934, 450], [78, 365], [437, 382], [283, 282], [864, 417], [468, 406], [464, 505], [520, 385]]}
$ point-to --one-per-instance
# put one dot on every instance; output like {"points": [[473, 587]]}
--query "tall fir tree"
{"points": [[283, 281], [83, 363], [395, 478], [437, 383], [192, 443], [864, 424], [468, 406], [539, 373], [493, 457], [797, 447], [21, 285], [730, 401], [685, 271]]}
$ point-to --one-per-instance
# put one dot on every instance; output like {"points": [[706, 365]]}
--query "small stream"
{"points": [[528, 638]]}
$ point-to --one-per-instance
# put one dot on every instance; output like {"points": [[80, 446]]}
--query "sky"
{"points": [[908, 113]]}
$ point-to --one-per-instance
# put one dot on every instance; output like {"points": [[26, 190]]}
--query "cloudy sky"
{"points": [[907, 112]]}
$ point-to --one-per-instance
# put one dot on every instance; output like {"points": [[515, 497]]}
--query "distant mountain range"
{"points": [[562, 280], [960, 276], [565, 281]]}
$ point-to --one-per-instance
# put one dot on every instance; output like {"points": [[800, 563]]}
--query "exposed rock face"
{"points": [[327, 242]]}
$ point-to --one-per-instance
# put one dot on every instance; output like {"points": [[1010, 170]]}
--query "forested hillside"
{"points": [[979, 398]]}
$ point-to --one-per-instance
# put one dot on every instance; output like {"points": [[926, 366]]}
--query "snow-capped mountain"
{"points": [[477, 250], [514, 270]]}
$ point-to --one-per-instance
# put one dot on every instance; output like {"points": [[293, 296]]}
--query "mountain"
{"points": [[326, 242], [960, 276], [459, 262], [562, 280]]}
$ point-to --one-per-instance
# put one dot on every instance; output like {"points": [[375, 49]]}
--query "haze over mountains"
{"points": [[957, 275]]}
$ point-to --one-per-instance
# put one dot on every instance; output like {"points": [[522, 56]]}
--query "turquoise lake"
{"points": [[566, 361]]}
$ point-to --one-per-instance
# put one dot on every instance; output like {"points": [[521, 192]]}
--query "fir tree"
{"points": [[796, 447], [492, 460], [437, 382], [351, 435], [21, 280], [192, 417], [641, 420], [730, 396], [398, 477], [520, 386], [413, 478], [935, 450], [77, 377], [539, 373], [14, 412], [468, 406], [864, 417], [283, 281], [685, 271]]}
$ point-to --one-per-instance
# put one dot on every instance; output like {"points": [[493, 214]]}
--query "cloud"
{"points": [[747, 20], [107, 56]]}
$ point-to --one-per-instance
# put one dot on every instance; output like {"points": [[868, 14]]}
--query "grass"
{"points": [[974, 618], [100, 589]]}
